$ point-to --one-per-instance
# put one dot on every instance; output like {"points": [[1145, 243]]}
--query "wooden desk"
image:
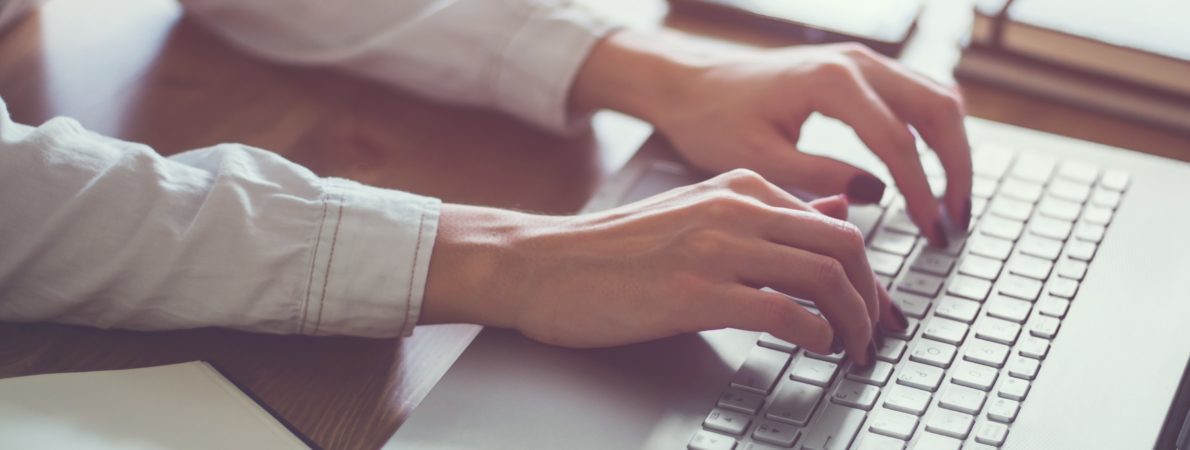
{"points": [[145, 73]]}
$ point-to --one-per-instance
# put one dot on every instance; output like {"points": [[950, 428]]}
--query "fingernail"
{"points": [[940, 238], [836, 345], [871, 353], [864, 188], [967, 215], [899, 317]]}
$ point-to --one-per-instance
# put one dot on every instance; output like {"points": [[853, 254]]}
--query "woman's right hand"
{"points": [[690, 259]]}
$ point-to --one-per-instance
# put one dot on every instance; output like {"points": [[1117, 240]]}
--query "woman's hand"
{"points": [[690, 259], [731, 109]]}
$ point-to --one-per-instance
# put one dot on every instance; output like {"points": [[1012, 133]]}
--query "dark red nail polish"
{"points": [[940, 238], [967, 215], [836, 345], [864, 188], [899, 317]]}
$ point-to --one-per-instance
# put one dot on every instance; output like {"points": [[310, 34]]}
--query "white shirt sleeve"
{"points": [[519, 56], [107, 233]]}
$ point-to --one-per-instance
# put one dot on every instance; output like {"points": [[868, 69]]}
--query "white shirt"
{"points": [[102, 232]]}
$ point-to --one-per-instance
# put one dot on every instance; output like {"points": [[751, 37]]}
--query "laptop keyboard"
{"points": [[982, 315]]}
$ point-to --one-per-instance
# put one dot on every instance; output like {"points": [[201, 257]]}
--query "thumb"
{"points": [[834, 206]]}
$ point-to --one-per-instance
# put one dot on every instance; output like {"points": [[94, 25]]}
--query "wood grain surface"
{"points": [[144, 72]]}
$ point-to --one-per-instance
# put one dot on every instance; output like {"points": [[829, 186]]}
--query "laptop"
{"points": [[1060, 320]]}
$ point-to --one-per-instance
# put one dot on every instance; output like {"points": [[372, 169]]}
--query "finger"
{"points": [[748, 308], [834, 238], [819, 279], [834, 206], [936, 112], [891, 316], [817, 174], [848, 97]]}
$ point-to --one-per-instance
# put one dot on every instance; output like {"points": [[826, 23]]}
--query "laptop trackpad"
{"points": [[620, 397]]}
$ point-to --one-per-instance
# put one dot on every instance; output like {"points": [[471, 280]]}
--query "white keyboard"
{"points": [[983, 313]]}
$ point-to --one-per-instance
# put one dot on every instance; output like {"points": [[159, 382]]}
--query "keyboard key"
{"points": [[957, 241], [933, 353], [1034, 347], [1053, 307], [975, 376], [1011, 209], [920, 376], [890, 350], [898, 220], [949, 423], [1089, 232], [1009, 309], [1105, 198], [1014, 388], [969, 287], [1081, 172], [962, 399], [1081, 250], [980, 267], [835, 429], [1019, 287], [760, 370], [1001, 228], [1030, 266], [987, 353], [1050, 228], [991, 433], [772, 342], [893, 424], [776, 433], [856, 395], [991, 247], [877, 375], [729, 422], [794, 402], [920, 283], [978, 206], [944, 330], [1024, 368], [1021, 190], [885, 263], [1044, 326], [907, 400], [932, 441], [1070, 190], [905, 334], [895, 243], [872, 441], [1098, 215], [983, 187], [885, 280], [912, 305], [1003, 410], [997, 330], [1033, 167], [1063, 288], [742, 401], [933, 263], [865, 217], [1115, 180], [829, 357], [1034, 245], [813, 371], [992, 160], [1057, 208], [1072, 269], [706, 440], [957, 309]]}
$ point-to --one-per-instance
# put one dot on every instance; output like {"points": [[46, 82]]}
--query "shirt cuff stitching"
{"points": [[421, 226], [313, 262], [330, 260]]}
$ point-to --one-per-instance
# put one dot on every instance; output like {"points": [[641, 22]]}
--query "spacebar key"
{"points": [[834, 429]]}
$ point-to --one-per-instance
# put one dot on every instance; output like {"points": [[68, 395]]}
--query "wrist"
{"points": [[476, 270], [643, 74]]}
